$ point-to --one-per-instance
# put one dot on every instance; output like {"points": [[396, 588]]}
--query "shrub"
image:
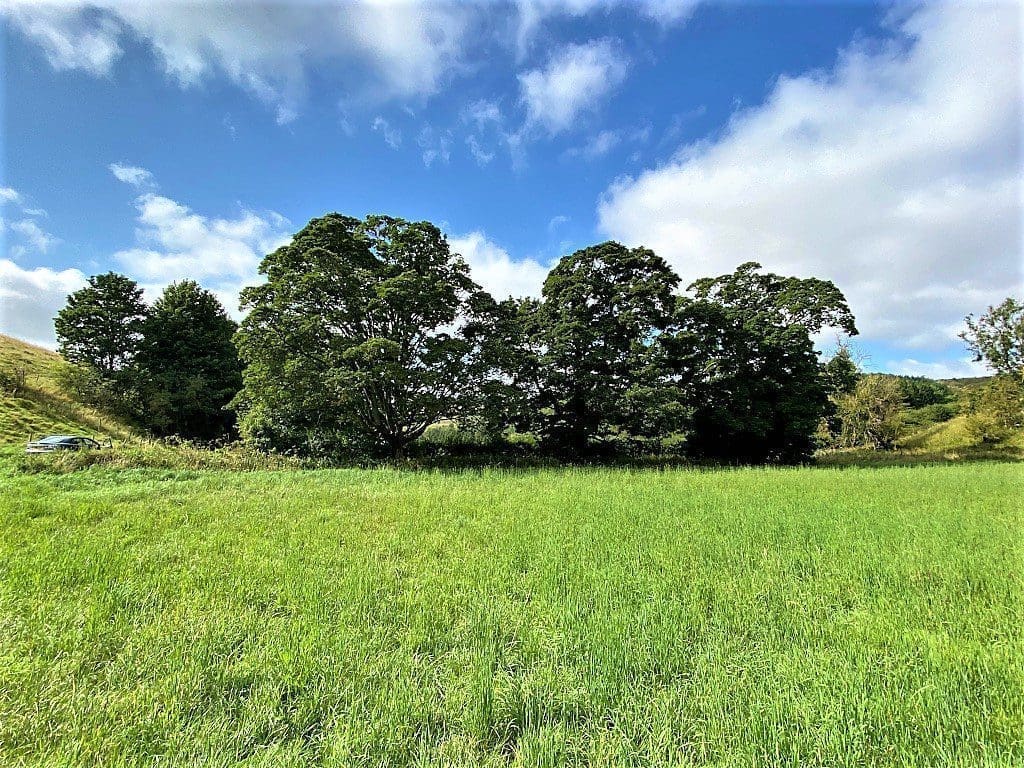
{"points": [[13, 380], [995, 409], [872, 414]]}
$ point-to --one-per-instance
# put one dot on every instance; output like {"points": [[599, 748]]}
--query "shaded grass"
{"points": [[561, 617]]}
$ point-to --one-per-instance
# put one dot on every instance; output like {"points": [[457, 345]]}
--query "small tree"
{"points": [[997, 338], [188, 365], [101, 325], [873, 413]]}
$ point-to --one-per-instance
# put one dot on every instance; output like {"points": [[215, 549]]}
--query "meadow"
{"points": [[347, 617]]}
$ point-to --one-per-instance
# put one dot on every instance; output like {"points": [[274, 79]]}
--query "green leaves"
{"points": [[101, 325], [357, 338]]}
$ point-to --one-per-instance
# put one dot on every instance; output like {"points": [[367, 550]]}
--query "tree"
{"points": [[997, 338], [187, 364], [356, 340], [100, 327], [584, 352], [841, 372], [873, 413], [919, 391], [741, 353]]}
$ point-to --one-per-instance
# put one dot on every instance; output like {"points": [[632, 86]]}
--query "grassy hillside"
{"points": [[43, 407], [370, 617]]}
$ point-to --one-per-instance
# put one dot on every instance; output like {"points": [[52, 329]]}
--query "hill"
{"points": [[42, 405]]}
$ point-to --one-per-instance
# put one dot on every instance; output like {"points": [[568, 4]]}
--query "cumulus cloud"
{"points": [[175, 243], [404, 49], [575, 81], [29, 299], [897, 175], [495, 270], [131, 174]]}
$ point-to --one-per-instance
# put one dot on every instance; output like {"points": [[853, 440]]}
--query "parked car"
{"points": [[62, 443]]}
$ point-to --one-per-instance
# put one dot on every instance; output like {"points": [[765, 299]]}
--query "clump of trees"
{"points": [[171, 367], [367, 332]]}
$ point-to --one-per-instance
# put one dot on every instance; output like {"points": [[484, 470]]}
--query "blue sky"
{"points": [[875, 145]]}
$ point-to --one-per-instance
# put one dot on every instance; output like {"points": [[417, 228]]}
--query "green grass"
{"points": [[44, 407], [811, 617]]}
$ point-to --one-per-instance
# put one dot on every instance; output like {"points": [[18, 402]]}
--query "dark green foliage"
{"points": [[929, 415], [841, 372], [577, 366], [997, 338], [741, 353], [352, 343], [919, 391], [187, 366], [101, 325]]}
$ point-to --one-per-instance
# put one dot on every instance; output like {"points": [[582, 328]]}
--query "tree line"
{"points": [[366, 332]]}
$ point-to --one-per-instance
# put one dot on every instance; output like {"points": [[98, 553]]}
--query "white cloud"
{"points": [[481, 156], [34, 236], [398, 49], [392, 136], [897, 175], [175, 243], [482, 113], [531, 14], [8, 195], [575, 81], [131, 174], [30, 298], [436, 145], [557, 221], [600, 144], [497, 272]]}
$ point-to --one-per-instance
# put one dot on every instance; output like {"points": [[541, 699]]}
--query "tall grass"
{"points": [[569, 617]]}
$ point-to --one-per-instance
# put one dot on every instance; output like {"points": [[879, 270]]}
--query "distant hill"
{"points": [[43, 407]]}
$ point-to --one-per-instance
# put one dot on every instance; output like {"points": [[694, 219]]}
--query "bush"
{"points": [[926, 416], [919, 391], [13, 380], [872, 414], [996, 409]]}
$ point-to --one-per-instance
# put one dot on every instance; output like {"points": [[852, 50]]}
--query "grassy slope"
{"points": [[44, 408], [352, 617]]}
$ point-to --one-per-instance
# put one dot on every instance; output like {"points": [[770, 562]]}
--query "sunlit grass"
{"points": [[591, 617]]}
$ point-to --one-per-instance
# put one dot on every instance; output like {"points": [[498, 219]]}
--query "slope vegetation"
{"points": [[42, 405]]}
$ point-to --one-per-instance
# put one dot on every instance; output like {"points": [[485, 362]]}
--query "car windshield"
{"points": [[54, 439]]}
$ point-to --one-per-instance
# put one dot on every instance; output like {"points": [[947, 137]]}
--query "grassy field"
{"points": [[811, 617]]}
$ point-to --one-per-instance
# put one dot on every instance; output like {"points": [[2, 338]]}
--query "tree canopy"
{"points": [[740, 349], [188, 367], [100, 327], [355, 340], [997, 338]]}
